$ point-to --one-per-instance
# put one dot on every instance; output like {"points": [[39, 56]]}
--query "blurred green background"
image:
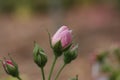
{"points": [[11, 6]]}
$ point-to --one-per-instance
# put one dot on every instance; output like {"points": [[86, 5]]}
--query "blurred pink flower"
{"points": [[64, 35]]}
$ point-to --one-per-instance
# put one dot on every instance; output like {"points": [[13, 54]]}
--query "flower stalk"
{"points": [[43, 74], [62, 67], [52, 67], [19, 78]]}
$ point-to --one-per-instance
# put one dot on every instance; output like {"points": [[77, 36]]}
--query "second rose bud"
{"points": [[39, 56]]}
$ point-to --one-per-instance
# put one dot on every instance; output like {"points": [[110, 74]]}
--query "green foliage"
{"points": [[102, 56], [75, 78], [117, 53], [108, 66], [7, 5]]}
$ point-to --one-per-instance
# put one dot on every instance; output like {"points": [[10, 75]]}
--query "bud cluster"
{"points": [[61, 44]]}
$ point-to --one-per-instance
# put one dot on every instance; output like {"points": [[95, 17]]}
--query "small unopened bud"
{"points": [[70, 54], [39, 56], [11, 67]]}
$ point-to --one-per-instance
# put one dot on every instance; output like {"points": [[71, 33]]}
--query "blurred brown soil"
{"points": [[95, 27]]}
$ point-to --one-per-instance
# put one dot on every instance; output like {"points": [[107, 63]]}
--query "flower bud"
{"points": [[61, 40], [70, 54], [11, 67], [39, 55]]}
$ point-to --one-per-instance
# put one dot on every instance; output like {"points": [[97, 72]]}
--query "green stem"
{"points": [[60, 71], [19, 78], [43, 75], [52, 67]]}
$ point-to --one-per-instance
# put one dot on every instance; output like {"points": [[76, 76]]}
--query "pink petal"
{"points": [[66, 38], [63, 34], [9, 62], [61, 29], [57, 36]]}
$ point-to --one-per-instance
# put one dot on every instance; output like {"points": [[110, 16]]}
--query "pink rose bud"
{"points": [[7, 63], [10, 67], [61, 41], [64, 36]]}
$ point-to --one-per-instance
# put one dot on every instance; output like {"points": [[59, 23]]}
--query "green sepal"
{"points": [[50, 39], [41, 60], [57, 48], [13, 71]]}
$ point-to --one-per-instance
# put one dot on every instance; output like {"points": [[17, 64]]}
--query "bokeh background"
{"points": [[95, 25]]}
